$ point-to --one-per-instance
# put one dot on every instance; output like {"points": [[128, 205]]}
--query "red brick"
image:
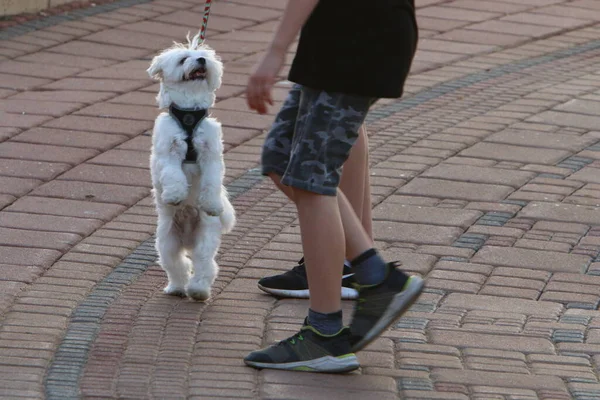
{"points": [[17, 186], [31, 169], [5, 200], [104, 125], [75, 61], [109, 174], [62, 137], [131, 39], [50, 223], [19, 273], [37, 70], [125, 158], [53, 108], [28, 256], [68, 96], [135, 112], [21, 120], [103, 193], [70, 208], [47, 153], [16, 82], [96, 85], [20, 237], [101, 51]]}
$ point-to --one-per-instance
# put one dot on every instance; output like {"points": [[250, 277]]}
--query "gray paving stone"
{"points": [[446, 189], [533, 259], [569, 213], [477, 174], [507, 152], [425, 215], [542, 140]]}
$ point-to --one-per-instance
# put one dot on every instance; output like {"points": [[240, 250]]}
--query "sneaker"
{"points": [[308, 350], [378, 306], [294, 283]]}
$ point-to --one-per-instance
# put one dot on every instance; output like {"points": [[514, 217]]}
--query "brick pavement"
{"points": [[485, 180]]}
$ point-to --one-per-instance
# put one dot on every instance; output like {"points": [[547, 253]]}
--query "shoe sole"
{"points": [[330, 364], [399, 305], [347, 293]]}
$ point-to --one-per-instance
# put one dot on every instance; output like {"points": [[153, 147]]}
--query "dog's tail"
{"points": [[228, 215]]}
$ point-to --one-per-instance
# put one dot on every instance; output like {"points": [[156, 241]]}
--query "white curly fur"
{"points": [[192, 204]]}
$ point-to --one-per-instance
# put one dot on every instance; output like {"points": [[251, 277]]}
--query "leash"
{"points": [[205, 21]]}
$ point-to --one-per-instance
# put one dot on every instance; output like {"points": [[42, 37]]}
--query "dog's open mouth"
{"points": [[197, 74]]}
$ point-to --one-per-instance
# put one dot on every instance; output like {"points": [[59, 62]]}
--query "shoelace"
{"points": [[292, 339]]}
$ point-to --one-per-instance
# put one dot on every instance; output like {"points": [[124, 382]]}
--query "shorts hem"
{"points": [[268, 169], [303, 185]]}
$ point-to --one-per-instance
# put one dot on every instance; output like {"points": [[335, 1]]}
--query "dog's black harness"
{"points": [[188, 119]]}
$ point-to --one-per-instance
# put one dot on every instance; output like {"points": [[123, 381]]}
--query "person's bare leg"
{"points": [[323, 244], [352, 182], [356, 238], [366, 216]]}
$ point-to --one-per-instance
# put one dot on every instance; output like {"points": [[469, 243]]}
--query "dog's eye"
{"points": [[182, 60]]}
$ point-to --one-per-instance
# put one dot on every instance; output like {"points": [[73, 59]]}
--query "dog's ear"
{"points": [[155, 71]]}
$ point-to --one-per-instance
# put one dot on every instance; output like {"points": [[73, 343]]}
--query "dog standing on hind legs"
{"points": [[187, 169]]}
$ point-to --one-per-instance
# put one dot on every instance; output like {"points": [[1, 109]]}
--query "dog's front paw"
{"points": [[174, 197]]}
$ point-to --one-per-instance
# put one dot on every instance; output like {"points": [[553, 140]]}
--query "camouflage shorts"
{"points": [[311, 138]]}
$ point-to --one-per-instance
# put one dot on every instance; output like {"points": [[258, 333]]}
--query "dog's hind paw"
{"points": [[214, 209], [198, 292], [173, 290]]}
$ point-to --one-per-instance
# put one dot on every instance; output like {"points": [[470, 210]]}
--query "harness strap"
{"points": [[188, 119]]}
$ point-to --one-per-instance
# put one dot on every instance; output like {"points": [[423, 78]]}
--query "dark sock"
{"points": [[369, 268], [327, 324]]}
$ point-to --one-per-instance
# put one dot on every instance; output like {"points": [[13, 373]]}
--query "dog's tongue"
{"points": [[199, 72]]}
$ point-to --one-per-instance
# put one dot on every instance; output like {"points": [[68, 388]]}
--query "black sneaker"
{"points": [[308, 350], [294, 283], [378, 306]]}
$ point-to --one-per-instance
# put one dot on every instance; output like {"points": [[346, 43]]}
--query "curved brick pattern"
{"points": [[484, 180]]}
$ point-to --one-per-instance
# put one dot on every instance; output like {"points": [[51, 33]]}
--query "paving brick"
{"points": [[64, 207], [512, 292], [479, 174], [425, 215], [61, 137], [97, 50], [491, 303], [481, 378], [567, 213], [20, 237], [534, 259], [32, 257], [455, 190], [136, 112], [19, 120], [31, 169], [17, 186], [55, 109], [98, 192], [16, 82], [414, 233], [497, 151], [125, 158], [23, 151], [110, 175], [104, 125], [567, 119]]}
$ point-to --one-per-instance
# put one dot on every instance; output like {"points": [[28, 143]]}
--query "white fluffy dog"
{"points": [[187, 169]]}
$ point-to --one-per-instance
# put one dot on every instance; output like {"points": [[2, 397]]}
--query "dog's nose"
{"points": [[202, 60]]}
